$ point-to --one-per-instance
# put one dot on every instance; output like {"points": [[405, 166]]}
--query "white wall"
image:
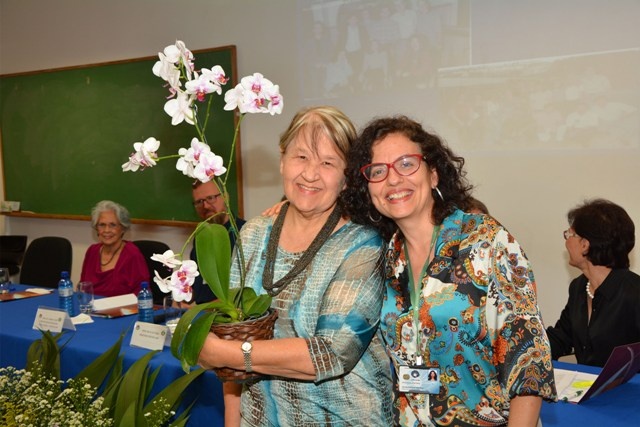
{"points": [[528, 180]]}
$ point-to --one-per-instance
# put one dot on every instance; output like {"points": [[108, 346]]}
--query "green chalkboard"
{"points": [[66, 133]]}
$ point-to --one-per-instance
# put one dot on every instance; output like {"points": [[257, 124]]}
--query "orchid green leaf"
{"points": [[214, 258], [258, 306], [195, 339], [185, 324]]}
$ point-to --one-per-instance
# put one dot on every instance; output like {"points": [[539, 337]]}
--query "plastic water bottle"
{"points": [[65, 293], [145, 304]]}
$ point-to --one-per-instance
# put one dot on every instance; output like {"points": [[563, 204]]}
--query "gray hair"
{"points": [[107, 205]]}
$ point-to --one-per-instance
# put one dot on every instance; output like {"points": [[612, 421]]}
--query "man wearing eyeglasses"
{"points": [[209, 204]]}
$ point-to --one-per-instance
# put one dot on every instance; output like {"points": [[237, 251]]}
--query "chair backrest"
{"points": [[148, 248], [12, 251], [44, 259]]}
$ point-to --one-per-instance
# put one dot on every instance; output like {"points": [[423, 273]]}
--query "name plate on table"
{"points": [[52, 320], [150, 336]]}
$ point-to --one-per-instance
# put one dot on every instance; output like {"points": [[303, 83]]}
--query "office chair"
{"points": [[44, 259], [11, 252], [148, 248]]}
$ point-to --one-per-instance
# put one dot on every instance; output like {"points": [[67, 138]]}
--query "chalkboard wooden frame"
{"points": [[66, 132]]}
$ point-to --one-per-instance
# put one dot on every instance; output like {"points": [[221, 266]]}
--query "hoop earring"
{"points": [[375, 221], [439, 193]]}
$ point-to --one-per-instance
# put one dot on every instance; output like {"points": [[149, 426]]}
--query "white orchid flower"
{"points": [[276, 103], [254, 94], [182, 279], [168, 72], [180, 109], [168, 258], [208, 166], [256, 83], [170, 54], [189, 158], [196, 150], [133, 164], [201, 86], [233, 99], [216, 75], [147, 151], [163, 284], [145, 155], [183, 165], [186, 57]]}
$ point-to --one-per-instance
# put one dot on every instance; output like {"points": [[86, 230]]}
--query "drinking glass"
{"points": [[172, 312], [85, 297], [5, 280]]}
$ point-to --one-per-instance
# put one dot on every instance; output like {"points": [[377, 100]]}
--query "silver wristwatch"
{"points": [[246, 351]]}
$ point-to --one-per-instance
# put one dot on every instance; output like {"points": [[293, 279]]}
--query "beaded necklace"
{"points": [[274, 289]]}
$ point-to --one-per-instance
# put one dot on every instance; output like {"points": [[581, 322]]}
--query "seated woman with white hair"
{"points": [[114, 265]]}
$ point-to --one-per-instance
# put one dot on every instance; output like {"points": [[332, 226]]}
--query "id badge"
{"points": [[419, 379]]}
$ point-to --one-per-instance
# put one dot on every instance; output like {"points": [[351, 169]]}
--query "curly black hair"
{"points": [[452, 182], [609, 230]]}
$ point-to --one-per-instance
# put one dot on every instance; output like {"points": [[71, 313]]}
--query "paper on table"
{"points": [[81, 318], [113, 302], [572, 385], [39, 291]]}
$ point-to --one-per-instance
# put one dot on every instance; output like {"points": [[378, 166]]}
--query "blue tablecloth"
{"points": [[617, 407], [91, 340]]}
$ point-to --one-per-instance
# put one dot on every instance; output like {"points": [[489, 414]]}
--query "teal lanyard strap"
{"points": [[414, 291]]}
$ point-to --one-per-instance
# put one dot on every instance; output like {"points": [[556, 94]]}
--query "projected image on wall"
{"points": [[356, 47], [580, 99], [486, 75]]}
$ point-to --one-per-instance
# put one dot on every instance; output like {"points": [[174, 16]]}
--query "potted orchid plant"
{"points": [[188, 88]]}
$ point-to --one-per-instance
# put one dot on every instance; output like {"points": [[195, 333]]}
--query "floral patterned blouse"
{"points": [[479, 323]]}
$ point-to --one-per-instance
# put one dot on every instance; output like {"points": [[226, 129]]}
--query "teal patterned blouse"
{"points": [[334, 304], [479, 323]]}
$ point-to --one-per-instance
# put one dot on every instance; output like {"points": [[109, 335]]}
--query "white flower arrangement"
{"points": [[30, 398]]}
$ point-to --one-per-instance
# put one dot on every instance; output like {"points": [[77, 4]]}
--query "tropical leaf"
{"points": [[127, 395], [99, 369], [133, 388], [182, 419], [45, 352], [172, 394]]}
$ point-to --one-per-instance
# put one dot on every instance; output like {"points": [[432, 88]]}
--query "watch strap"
{"points": [[247, 356]]}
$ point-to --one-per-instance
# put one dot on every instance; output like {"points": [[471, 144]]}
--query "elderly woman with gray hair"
{"points": [[115, 266]]}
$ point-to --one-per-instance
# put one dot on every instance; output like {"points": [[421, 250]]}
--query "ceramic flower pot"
{"points": [[248, 330]]}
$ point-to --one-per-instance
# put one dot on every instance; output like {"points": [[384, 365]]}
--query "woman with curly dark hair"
{"points": [[603, 310], [460, 296], [453, 187]]}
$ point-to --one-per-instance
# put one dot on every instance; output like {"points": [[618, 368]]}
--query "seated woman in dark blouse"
{"points": [[115, 266], [603, 310]]}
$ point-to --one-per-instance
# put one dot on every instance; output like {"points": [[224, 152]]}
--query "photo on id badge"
{"points": [[413, 379]]}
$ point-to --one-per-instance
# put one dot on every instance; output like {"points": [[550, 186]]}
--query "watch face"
{"points": [[246, 346]]}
